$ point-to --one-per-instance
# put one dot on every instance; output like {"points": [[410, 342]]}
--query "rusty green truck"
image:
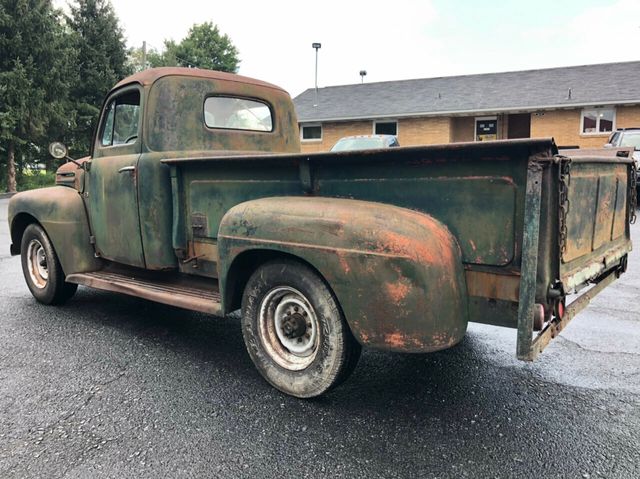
{"points": [[196, 195]]}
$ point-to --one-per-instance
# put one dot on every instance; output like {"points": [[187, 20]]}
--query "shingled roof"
{"points": [[604, 84]]}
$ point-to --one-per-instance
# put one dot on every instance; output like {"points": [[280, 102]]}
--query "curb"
{"points": [[4, 196]]}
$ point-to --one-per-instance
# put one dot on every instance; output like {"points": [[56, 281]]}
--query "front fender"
{"points": [[396, 273], [60, 211]]}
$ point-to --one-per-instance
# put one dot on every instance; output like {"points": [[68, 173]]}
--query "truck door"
{"points": [[112, 179]]}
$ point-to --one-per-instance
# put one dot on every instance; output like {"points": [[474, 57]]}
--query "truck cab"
{"points": [[160, 114]]}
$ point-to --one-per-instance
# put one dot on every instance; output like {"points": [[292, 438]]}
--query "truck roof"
{"points": [[149, 76]]}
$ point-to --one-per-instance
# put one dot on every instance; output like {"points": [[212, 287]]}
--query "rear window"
{"points": [[237, 114], [348, 144], [631, 139]]}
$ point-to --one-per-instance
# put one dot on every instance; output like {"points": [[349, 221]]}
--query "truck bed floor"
{"points": [[196, 294]]}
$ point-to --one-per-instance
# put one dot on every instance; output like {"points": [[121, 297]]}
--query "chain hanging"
{"points": [[633, 192], [564, 169]]}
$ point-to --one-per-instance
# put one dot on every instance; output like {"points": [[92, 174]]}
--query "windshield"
{"points": [[347, 144], [631, 139]]}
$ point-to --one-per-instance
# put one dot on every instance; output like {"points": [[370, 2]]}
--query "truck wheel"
{"points": [[294, 330], [41, 268]]}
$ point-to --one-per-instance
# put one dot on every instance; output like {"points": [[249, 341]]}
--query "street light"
{"points": [[362, 75], [317, 47]]}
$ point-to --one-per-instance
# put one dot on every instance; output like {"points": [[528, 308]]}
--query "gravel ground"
{"points": [[113, 386]]}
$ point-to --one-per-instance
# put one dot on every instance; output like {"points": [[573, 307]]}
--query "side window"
{"points": [[121, 121], [614, 139]]}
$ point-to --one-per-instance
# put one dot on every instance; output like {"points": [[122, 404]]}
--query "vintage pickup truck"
{"points": [[196, 195]]}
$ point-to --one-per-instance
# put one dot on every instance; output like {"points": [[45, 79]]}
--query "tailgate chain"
{"points": [[564, 169], [633, 193]]}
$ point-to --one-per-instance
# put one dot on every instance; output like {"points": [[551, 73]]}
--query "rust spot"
{"points": [[397, 292], [443, 340], [344, 264], [400, 340]]}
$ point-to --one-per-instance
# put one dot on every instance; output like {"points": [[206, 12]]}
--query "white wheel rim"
{"points": [[37, 264], [289, 328]]}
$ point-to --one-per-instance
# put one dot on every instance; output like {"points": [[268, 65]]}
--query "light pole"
{"points": [[317, 47], [362, 75]]}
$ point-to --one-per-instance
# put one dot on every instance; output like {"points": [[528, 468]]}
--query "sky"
{"points": [[395, 40]]}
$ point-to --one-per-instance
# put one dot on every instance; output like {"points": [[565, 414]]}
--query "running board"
{"points": [[202, 296]]}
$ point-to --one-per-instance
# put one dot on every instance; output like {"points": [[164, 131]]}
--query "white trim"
{"points": [[597, 132], [496, 111], [375, 122], [311, 140]]}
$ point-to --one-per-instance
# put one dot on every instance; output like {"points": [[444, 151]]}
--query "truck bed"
{"points": [[481, 191]]}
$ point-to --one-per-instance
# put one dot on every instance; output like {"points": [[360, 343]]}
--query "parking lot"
{"points": [[115, 386]]}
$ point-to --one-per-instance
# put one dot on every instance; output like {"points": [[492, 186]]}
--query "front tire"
{"points": [[294, 330], [41, 268]]}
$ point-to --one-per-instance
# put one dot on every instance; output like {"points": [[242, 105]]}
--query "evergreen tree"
{"points": [[34, 71], [101, 63]]}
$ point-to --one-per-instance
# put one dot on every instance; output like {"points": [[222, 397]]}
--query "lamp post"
{"points": [[362, 75], [317, 47]]}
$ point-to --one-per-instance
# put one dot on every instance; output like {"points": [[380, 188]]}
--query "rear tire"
{"points": [[294, 330], [41, 268]]}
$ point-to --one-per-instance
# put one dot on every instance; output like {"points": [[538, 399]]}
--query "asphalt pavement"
{"points": [[113, 386]]}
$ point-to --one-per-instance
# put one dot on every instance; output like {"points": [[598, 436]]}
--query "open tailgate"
{"points": [[596, 204]]}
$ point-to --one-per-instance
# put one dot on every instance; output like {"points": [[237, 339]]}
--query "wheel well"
{"points": [[18, 225], [243, 267]]}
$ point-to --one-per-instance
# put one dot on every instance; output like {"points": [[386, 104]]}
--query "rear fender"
{"points": [[397, 273], [60, 211]]}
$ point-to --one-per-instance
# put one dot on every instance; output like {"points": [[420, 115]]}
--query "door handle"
{"points": [[127, 168]]}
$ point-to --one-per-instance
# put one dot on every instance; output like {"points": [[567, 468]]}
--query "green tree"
{"points": [[34, 72], [203, 47], [138, 61], [102, 62]]}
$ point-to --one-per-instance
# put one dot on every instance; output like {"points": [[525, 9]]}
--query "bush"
{"points": [[32, 179]]}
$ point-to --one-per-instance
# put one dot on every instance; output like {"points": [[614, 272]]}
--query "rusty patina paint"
{"points": [[171, 126], [60, 211], [175, 117], [414, 242], [596, 219], [396, 273], [72, 174]]}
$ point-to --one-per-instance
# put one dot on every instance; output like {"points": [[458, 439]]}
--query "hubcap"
{"points": [[37, 264], [289, 328]]}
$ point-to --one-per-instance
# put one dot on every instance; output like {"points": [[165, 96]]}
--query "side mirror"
{"points": [[608, 145], [58, 150]]}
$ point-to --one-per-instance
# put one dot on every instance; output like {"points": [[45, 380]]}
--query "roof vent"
{"points": [[569, 94]]}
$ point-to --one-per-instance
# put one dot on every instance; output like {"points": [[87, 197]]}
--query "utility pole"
{"points": [[363, 73], [317, 47], [144, 55]]}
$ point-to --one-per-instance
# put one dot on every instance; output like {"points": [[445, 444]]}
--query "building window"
{"points": [[596, 121], [385, 128], [486, 128], [311, 132]]}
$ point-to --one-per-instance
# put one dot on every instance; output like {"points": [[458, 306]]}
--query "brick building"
{"points": [[578, 106]]}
